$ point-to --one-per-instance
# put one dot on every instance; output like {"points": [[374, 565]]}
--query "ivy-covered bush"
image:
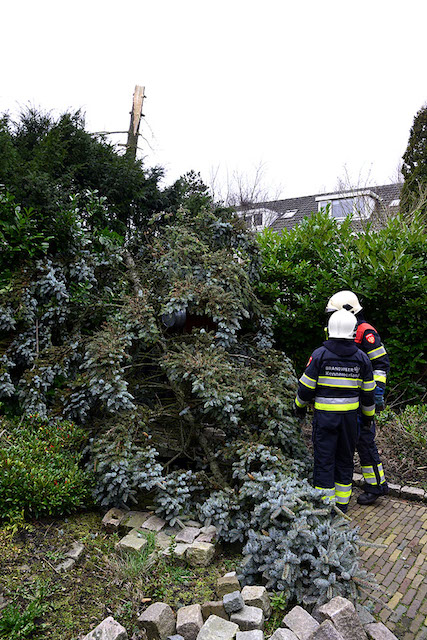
{"points": [[39, 468], [386, 268]]}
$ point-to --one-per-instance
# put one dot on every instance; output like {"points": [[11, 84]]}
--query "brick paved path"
{"points": [[401, 568]]}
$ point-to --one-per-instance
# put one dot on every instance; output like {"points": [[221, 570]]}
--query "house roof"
{"points": [[291, 211]]}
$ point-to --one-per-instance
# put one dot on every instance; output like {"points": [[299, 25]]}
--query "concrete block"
{"points": [[75, 551], [216, 628], [233, 602], [256, 634], [108, 629], [215, 608], [153, 523], [363, 614], [283, 634], [227, 584], [133, 541], [207, 534], [394, 489], [200, 554], [134, 519], [412, 493], [378, 631], [66, 565], [257, 597], [327, 631], [177, 554], [112, 519], [158, 621], [163, 541], [342, 613], [187, 535], [248, 618], [301, 623], [189, 621]]}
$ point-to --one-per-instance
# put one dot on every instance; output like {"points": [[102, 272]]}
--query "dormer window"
{"points": [[258, 219], [358, 204], [253, 219]]}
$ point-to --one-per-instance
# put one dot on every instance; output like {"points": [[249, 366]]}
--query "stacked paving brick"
{"points": [[189, 542], [240, 614]]}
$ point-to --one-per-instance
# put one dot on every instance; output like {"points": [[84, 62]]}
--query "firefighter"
{"points": [[369, 341], [339, 379]]}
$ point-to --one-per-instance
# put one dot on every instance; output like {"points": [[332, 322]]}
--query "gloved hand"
{"points": [[379, 399], [299, 412]]}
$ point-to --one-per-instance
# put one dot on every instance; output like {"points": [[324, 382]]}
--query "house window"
{"points": [[289, 213], [258, 219], [253, 220], [358, 205], [339, 209]]}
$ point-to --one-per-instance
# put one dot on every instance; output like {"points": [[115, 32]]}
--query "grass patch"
{"points": [[19, 622]]}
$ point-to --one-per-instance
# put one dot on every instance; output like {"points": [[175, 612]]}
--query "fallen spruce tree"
{"points": [[160, 349]]}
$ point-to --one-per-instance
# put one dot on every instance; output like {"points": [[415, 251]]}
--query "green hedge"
{"points": [[39, 468], [387, 269]]}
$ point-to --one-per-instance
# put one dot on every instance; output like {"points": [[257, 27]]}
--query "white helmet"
{"points": [[344, 300], [342, 324]]}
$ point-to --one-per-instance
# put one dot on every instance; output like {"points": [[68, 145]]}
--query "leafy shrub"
{"points": [[19, 237], [386, 268], [39, 468]]}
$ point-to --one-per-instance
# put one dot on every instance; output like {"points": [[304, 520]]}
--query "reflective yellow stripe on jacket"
{"points": [[376, 353], [346, 383], [368, 411], [307, 381], [336, 404], [300, 403], [368, 385], [380, 376]]}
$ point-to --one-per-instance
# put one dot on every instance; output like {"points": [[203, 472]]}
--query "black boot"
{"points": [[366, 498]]}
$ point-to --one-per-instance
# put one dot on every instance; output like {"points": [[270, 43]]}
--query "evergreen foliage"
{"points": [[414, 167], [304, 267], [45, 160]]}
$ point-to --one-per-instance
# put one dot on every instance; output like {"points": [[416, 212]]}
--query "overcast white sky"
{"points": [[305, 87]]}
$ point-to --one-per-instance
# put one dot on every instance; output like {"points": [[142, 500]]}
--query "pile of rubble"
{"points": [[240, 614]]}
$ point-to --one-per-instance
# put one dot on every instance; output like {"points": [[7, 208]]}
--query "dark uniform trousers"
{"points": [[369, 341], [339, 380]]}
